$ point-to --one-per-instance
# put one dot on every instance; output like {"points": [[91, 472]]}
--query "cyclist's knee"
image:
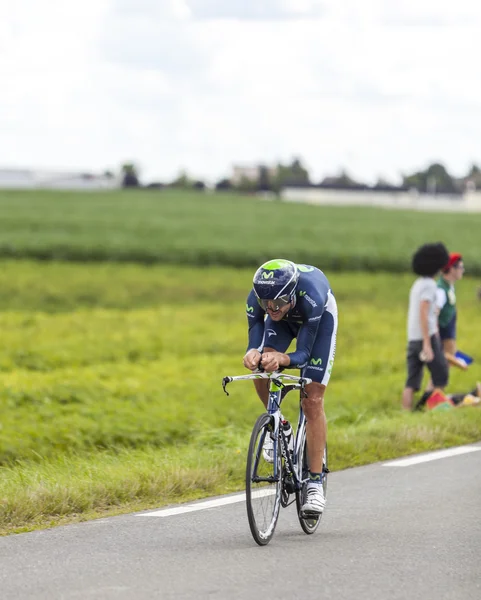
{"points": [[313, 405]]}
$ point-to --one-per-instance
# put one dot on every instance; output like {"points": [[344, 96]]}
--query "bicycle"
{"points": [[269, 485]]}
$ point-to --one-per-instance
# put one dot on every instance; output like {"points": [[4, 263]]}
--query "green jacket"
{"points": [[449, 309]]}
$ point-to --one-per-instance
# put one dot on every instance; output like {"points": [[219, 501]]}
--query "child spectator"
{"points": [[424, 343], [446, 301]]}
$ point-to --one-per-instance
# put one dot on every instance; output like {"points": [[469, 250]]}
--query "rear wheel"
{"points": [[309, 524], [263, 483]]}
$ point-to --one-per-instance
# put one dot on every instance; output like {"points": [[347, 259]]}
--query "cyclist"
{"points": [[290, 301]]}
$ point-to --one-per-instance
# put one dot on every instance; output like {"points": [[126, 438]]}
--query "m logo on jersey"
{"points": [[316, 361], [249, 309], [302, 293], [267, 275]]}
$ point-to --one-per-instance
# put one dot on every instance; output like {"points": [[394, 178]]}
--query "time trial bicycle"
{"points": [[270, 483]]}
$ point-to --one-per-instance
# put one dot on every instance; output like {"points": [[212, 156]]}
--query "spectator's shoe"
{"points": [[268, 449], [315, 501], [470, 400]]}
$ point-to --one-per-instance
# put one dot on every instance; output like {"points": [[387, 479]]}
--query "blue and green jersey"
{"points": [[311, 299]]}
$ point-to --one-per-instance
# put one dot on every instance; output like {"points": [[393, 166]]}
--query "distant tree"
{"points": [[474, 171], [185, 182], [382, 183], [246, 185], [435, 179], [472, 180], [223, 185], [439, 180], [299, 172], [130, 177], [264, 183], [294, 174], [182, 181]]}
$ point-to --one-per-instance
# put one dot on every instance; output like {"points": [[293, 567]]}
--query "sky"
{"points": [[377, 88]]}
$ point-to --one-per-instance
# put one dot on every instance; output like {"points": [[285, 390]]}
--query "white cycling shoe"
{"points": [[268, 449], [315, 500]]}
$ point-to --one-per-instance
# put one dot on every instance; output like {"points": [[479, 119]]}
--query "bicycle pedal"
{"points": [[309, 515]]}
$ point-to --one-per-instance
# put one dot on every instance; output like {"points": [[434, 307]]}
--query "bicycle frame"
{"points": [[276, 386]]}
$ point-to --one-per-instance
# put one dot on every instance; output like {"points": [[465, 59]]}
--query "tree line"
{"points": [[435, 179]]}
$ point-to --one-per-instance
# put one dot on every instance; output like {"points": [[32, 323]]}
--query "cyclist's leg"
{"points": [[319, 370], [277, 337]]}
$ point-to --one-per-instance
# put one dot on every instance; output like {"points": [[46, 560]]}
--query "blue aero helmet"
{"points": [[275, 284]]}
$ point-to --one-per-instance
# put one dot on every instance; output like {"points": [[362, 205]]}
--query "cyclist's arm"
{"points": [[305, 341], [255, 321]]}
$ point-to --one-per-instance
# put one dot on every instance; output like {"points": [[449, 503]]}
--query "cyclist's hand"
{"points": [[252, 359], [270, 361]]}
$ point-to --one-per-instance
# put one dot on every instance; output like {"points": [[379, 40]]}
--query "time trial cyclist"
{"points": [[290, 301]]}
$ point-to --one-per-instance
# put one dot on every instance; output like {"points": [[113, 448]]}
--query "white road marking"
{"points": [[187, 508], [415, 460]]}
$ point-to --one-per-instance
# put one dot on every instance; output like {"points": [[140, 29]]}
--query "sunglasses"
{"points": [[276, 304]]}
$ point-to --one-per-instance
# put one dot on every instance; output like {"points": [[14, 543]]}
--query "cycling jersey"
{"points": [[313, 295]]}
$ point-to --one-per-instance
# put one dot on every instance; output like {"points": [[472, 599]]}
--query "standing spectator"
{"points": [[446, 301], [424, 343]]}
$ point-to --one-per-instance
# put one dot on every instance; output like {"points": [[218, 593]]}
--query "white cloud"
{"points": [[375, 87], [254, 9], [166, 9]]}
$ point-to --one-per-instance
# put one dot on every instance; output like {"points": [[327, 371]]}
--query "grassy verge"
{"points": [[72, 488]]}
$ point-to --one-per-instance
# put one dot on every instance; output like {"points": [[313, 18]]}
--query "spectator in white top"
{"points": [[424, 344]]}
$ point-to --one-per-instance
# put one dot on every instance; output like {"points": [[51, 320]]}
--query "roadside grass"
{"points": [[221, 229], [72, 488], [111, 401]]}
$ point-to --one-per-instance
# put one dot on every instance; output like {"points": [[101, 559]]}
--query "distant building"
{"points": [[252, 173], [61, 180]]}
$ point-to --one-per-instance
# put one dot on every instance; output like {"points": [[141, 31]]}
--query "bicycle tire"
{"points": [[309, 525], [263, 498]]}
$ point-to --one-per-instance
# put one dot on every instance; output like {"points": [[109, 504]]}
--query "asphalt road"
{"points": [[389, 532]]}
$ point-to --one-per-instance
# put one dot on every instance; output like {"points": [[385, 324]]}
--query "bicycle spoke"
{"points": [[263, 484]]}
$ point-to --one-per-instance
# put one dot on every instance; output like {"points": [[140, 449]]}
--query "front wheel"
{"points": [[263, 482], [309, 525]]}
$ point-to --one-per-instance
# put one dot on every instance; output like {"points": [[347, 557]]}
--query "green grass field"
{"points": [[110, 384], [210, 229]]}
